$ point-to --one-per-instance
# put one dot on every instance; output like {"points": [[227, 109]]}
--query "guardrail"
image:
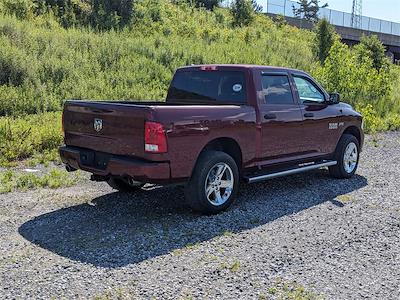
{"points": [[335, 17]]}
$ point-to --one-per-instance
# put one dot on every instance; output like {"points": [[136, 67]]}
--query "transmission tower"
{"points": [[356, 14]]}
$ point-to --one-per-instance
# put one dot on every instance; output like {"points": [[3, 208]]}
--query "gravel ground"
{"points": [[319, 236]]}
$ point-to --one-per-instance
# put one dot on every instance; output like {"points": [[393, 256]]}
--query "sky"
{"points": [[381, 9]]}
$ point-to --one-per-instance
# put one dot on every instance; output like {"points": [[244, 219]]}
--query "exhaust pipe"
{"points": [[132, 182], [70, 169], [98, 178]]}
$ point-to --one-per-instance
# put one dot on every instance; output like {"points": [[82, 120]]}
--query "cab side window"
{"points": [[308, 91], [277, 89]]}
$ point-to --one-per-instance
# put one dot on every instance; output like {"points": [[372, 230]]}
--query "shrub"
{"points": [[355, 80], [23, 137], [371, 47], [242, 12], [372, 121], [42, 63], [14, 67], [12, 180], [324, 39], [207, 4], [22, 9]]}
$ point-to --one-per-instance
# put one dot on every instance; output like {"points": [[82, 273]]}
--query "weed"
{"points": [[13, 180], [227, 233], [233, 267], [344, 198], [262, 297], [291, 290], [42, 64]]}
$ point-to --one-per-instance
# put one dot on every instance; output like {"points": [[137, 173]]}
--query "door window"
{"points": [[277, 89], [308, 91]]}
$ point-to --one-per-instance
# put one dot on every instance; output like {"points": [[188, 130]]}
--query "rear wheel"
{"points": [[214, 183], [347, 157], [123, 185]]}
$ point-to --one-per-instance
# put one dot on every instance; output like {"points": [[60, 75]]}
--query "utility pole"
{"points": [[356, 14]]}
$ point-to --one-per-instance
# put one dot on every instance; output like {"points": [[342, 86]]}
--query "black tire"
{"points": [[339, 170], [123, 186], [195, 190]]}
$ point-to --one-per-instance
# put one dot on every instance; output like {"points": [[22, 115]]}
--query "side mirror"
{"points": [[334, 98]]}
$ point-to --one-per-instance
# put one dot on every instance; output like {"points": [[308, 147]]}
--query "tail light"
{"points": [[155, 140]]}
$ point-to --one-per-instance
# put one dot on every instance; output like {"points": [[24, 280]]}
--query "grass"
{"points": [[117, 293], [233, 267], [33, 136], [227, 233], [345, 198], [375, 141], [188, 247], [290, 290], [18, 181], [42, 64]]}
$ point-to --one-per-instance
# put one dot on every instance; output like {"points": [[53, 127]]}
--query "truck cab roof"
{"points": [[240, 66]]}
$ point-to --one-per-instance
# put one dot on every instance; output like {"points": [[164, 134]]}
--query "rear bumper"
{"points": [[105, 164]]}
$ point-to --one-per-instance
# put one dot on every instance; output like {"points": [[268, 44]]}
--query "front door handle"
{"points": [[269, 116], [309, 115]]}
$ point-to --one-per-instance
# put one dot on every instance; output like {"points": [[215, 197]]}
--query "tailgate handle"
{"points": [[270, 116]]}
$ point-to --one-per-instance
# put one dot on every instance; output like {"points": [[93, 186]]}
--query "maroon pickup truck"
{"points": [[220, 124]]}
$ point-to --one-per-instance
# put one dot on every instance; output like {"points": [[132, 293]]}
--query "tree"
{"points": [[103, 14], [69, 12], [243, 12], [256, 6], [207, 4], [372, 47], [111, 13], [22, 9], [308, 10], [324, 39]]}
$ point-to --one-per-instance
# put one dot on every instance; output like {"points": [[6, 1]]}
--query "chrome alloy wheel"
{"points": [[219, 184], [350, 157]]}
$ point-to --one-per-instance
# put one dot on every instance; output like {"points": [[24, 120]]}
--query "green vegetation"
{"points": [[52, 50], [290, 290], [117, 293], [373, 90], [308, 9], [13, 180], [35, 136], [372, 47], [345, 198], [233, 267], [242, 12], [207, 4], [324, 38]]}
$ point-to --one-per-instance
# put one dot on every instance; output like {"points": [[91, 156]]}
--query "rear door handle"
{"points": [[270, 116], [308, 115]]}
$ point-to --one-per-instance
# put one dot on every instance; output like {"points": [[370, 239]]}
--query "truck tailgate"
{"points": [[105, 126]]}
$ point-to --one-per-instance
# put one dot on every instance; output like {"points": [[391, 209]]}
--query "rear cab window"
{"points": [[208, 86], [276, 88]]}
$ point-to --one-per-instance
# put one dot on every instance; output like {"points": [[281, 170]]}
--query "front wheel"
{"points": [[347, 156], [214, 183]]}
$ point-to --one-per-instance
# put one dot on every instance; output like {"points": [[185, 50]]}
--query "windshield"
{"points": [[208, 87]]}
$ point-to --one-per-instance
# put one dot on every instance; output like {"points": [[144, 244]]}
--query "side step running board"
{"points": [[258, 178]]}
